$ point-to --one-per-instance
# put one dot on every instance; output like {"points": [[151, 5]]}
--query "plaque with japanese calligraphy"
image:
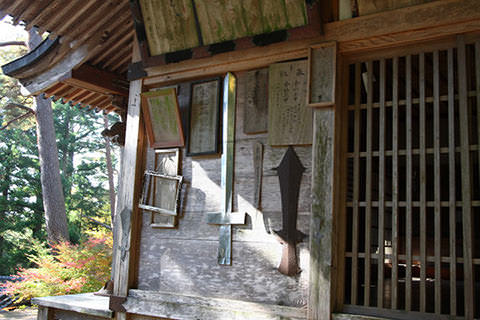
{"points": [[162, 118], [204, 118], [254, 87], [321, 76], [290, 121]]}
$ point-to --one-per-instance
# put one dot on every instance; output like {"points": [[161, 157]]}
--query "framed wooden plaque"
{"points": [[290, 120], [204, 117], [321, 75], [162, 118]]}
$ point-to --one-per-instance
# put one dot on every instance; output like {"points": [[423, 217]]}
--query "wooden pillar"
{"points": [[321, 294], [127, 213], [44, 313]]}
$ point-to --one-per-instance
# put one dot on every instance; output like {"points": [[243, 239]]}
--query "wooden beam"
{"points": [[97, 80], [403, 26]]}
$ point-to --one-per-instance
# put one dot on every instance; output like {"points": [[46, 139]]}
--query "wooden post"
{"points": [[129, 188], [321, 225], [44, 313]]}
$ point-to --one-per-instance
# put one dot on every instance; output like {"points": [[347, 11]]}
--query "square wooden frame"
{"points": [[163, 211], [148, 109], [331, 69], [214, 129]]}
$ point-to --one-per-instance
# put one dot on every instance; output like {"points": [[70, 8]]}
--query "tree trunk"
{"points": [[111, 184], [53, 198]]}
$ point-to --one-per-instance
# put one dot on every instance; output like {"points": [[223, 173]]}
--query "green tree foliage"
{"points": [[82, 164]]}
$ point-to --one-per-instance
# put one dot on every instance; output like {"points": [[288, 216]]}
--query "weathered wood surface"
{"points": [[258, 172], [190, 267], [366, 7], [169, 25], [183, 260], [63, 315], [204, 117], [228, 20], [289, 120], [253, 90], [322, 69], [85, 303], [44, 313], [321, 226], [182, 306], [405, 26]]}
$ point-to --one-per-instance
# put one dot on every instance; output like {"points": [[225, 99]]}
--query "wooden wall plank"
{"points": [[321, 282], [366, 7], [356, 184], [228, 20], [423, 181], [395, 226], [381, 189], [368, 185], [466, 176], [408, 187], [452, 184], [189, 266], [477, 75], [437, 175], [169, 25], [185, 306]]}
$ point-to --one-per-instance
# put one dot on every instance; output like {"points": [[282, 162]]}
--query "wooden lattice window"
{"points": [[412, 204]]}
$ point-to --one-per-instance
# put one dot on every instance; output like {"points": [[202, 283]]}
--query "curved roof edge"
{"points": [[31, 58]]}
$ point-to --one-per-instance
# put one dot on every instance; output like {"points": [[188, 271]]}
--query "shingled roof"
{"points": [[94, 37]]}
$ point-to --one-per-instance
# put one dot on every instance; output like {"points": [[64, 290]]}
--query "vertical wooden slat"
{"points": [[381, 188], [408, 275], [451, 181], [466, 191], [423, 178], [436, 174], [356, 181], [477, 68], [395, 184], [368, 191]]}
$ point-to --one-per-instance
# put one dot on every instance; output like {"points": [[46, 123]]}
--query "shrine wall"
{"points": [[184, 260]]}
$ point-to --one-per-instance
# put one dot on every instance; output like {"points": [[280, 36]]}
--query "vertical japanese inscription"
{"points": [[289, 119], [255, 92], [204, 115]]}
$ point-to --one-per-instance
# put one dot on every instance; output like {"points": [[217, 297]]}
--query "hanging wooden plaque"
{"points": [[162, 118], [290, 121], [254, 87], [321, 75], [204, 118]]}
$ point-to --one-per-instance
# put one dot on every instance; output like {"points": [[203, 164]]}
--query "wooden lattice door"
{"points": [[412, 202]]}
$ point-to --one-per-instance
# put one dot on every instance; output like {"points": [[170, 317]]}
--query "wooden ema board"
{"points": [[321, 75], [290, 121], [162, 118], [169, 25], [255, 89], [204, 117]]}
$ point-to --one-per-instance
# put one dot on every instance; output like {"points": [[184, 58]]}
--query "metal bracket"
{"points": [[116, 304]]}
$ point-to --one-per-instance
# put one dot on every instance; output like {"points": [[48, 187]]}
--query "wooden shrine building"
{"points": [[283, 159]]}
